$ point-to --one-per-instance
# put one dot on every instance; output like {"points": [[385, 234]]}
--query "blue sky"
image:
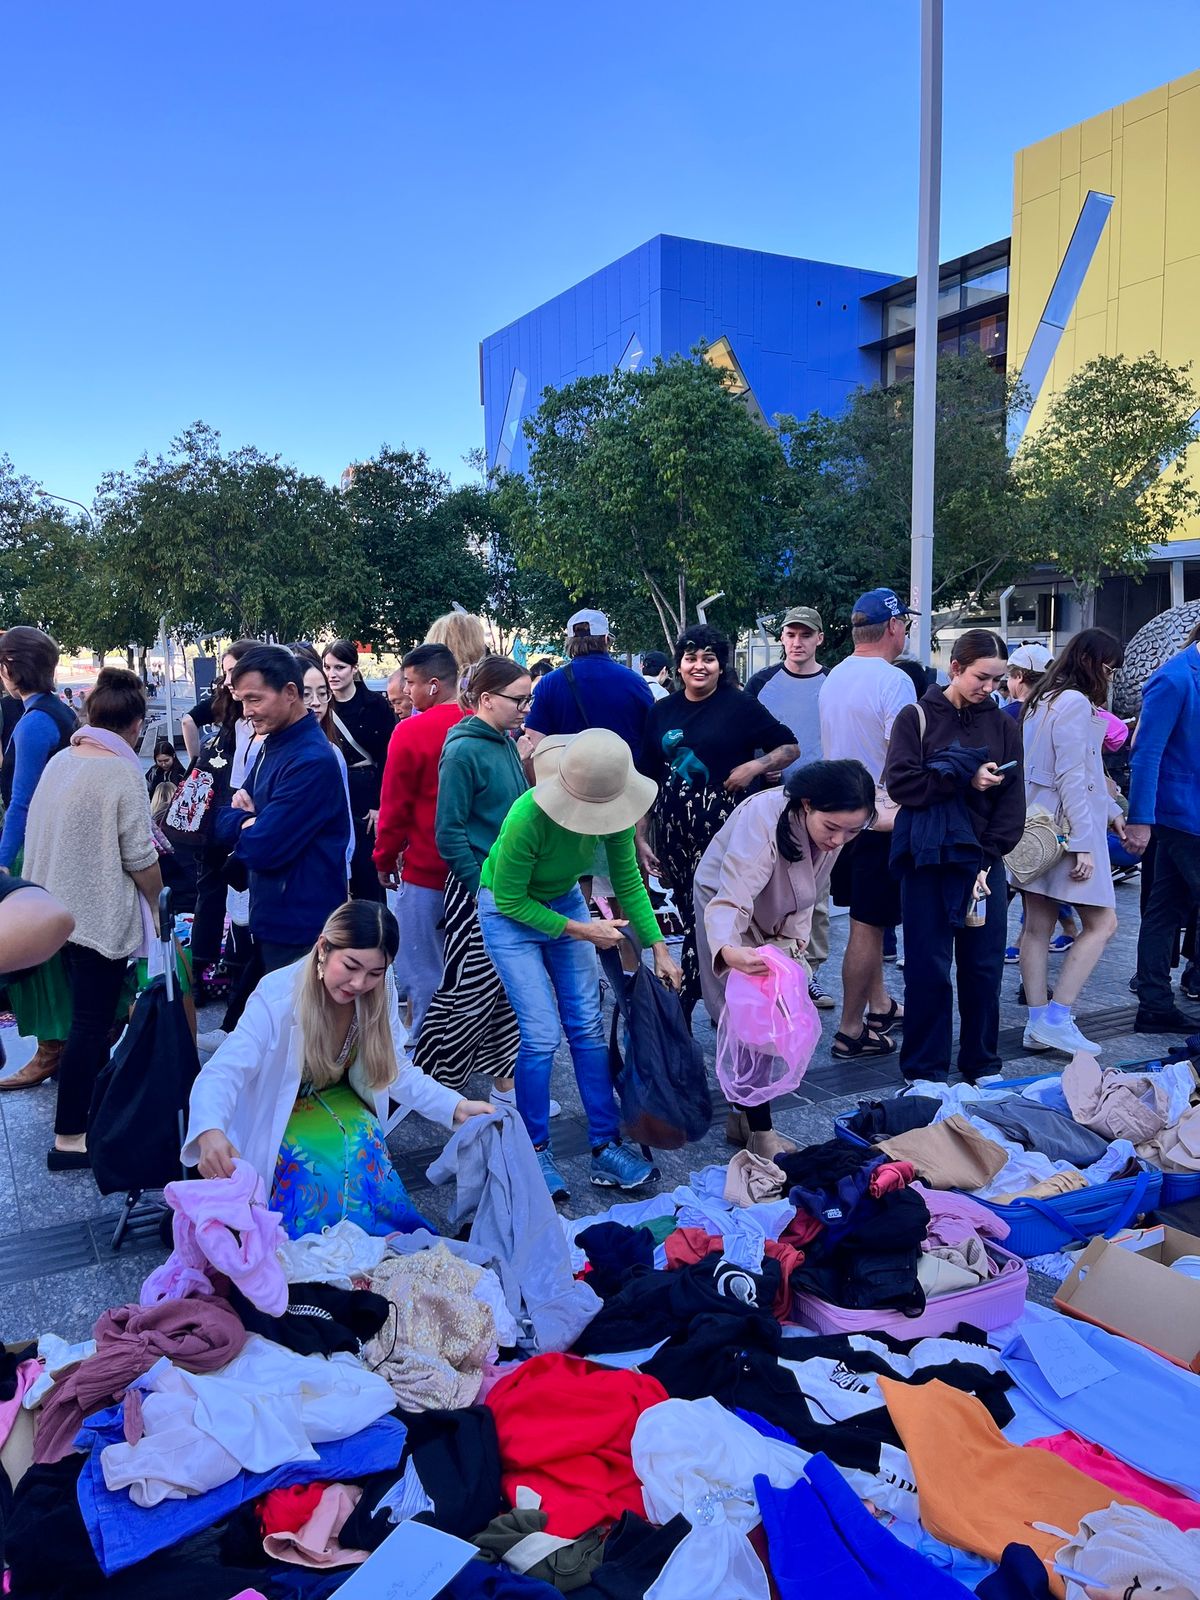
{"points": [[296, 220]]}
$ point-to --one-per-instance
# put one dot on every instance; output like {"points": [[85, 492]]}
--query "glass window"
{"points": [[901, 315], [900, 364], [512, 420], [989, 334], [631, 356], [985, 281], [949, 294]]}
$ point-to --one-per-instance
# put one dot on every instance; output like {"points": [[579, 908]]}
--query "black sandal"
{"points": [[885, 1021], [868, 1043]]}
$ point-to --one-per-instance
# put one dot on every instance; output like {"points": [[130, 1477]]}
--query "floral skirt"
{"points": [[333, 1164]]}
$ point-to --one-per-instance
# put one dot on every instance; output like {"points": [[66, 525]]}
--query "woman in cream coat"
{"points": [[301, 1086], [757, 883], [1064, 775]]}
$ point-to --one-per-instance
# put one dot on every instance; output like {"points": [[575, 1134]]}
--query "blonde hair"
{"points": [[357, 925], [160, 800], [462, 634]]}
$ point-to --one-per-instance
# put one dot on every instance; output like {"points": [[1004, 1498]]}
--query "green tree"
{"points": [[230, 543], [420, 541], [650, 490], [1104, 475], [849, 491]]}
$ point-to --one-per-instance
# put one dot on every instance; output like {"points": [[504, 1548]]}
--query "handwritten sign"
{"points": [[1066, 1360], [413, 1563]]}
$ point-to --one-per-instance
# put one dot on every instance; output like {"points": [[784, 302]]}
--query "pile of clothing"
{"points": [[1051, 1137]]}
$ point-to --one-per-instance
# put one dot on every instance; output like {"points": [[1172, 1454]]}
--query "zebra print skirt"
{"points": [[470, 1026]]}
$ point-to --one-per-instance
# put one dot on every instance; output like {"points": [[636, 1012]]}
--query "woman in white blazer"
{"points": [[1064, 775], [300, 1086]]}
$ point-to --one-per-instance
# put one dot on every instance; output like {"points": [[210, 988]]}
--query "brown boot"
{"points": [[737, 1129], [769, 1144], [44, 1065]]}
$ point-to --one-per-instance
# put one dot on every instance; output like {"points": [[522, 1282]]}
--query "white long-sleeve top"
{"points": [[248, 1088]]}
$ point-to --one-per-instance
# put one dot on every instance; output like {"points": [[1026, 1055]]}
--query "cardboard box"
{"points": [[1136, 1294]]}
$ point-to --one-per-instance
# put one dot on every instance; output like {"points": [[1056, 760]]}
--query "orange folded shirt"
{"points": [[977, 1491]]}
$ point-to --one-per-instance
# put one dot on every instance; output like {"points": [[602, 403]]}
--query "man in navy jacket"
{"points": [[289, 824], [1164, 794]]}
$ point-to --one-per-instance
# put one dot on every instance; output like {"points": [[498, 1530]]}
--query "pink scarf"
{"points": [[112, 744]]}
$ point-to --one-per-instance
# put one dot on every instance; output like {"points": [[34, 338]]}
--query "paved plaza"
{"points": [[58, 1271]]}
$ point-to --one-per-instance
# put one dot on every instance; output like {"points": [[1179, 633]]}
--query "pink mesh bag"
{"points": [[767, 1032]]}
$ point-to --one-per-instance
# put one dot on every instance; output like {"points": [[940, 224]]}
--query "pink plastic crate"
{"points": [[988, 1305]]}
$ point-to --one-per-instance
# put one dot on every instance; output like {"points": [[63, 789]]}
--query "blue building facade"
{"points": [[793, 331]]}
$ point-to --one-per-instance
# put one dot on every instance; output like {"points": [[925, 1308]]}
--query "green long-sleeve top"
{"points": [[479, 777], [534, 860]]}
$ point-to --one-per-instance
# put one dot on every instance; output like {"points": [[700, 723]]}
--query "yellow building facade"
{"points": [[1142, 290]]}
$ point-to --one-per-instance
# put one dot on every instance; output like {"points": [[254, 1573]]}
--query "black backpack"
{"points": [[662, 1082]]}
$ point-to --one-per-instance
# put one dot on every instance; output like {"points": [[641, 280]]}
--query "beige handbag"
{"points": [[1040, 847]]}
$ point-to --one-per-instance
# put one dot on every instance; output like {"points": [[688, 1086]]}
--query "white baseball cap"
{"points": [[1030, 657], [593, 622]]}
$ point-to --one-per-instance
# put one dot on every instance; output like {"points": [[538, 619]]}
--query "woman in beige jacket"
{"points": [[757, 883]]}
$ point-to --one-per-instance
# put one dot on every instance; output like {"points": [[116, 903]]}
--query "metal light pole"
{"points": [[44, 494], [926, 339]]}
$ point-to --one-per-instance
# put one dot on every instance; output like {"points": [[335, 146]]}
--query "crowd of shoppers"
{"points": [[489, 802]]}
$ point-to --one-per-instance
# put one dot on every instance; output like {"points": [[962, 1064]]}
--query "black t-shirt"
{"points": [[371, 721], [705, 739], [202, 712]]}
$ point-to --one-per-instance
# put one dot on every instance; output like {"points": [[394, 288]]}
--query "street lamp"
{"points": [[44, 494]]}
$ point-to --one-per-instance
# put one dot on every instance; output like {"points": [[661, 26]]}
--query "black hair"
{"points": [[225, 709], [653, 662], [827, 786], [978, 644], [703, 636], [540, 668], [917, 675], [29, 657], [275, 665], [117, 701], [1079, 665], [163, 747], [432, 661], [342, 650]]}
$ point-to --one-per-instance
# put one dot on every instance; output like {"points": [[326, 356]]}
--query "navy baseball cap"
{"points": [[880, 605]]}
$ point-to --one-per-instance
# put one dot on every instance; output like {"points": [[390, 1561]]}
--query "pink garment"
{"points": [[198, 1335], [1095, 1461], [892, 1175], [224, 1223], [1115, 731], [954, 1217], [316, 1543], [27, 1374]]}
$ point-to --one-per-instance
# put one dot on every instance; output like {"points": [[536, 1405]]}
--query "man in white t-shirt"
{"points": [[860, 699]]}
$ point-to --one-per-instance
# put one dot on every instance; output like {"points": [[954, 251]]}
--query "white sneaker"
{"points": [[1061, 1036], [210, 1041], [1028, 1042]]}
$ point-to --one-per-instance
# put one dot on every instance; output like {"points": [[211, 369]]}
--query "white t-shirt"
{"points": [[656, 689], [860, 699]]}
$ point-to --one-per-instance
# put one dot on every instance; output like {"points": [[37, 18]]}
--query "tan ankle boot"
{"points": [[43, 1065], [737, 1129], [769, 1144]]}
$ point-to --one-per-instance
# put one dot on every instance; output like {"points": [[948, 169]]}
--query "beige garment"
{"points": [[1119, 1105], [433, 1345], [1044, 1189], [88, 829], [747, 894], [750, 1178], [1176, 1149], [315, 1542], [948, 1155], [937, 1275], [1064, 774]]}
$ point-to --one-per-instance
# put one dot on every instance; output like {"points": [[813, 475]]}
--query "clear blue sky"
{"points": [[296, 220]]}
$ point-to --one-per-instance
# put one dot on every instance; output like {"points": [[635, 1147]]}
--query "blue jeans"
{"points": [[547, 980]]}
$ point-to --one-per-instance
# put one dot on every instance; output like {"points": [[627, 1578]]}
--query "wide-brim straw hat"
{"points": [[548, 754], [597, 788]]}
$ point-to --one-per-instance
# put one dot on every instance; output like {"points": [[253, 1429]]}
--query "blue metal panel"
{"points": [[668, 261]]}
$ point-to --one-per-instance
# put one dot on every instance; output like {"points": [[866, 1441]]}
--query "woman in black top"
{"points": [[954, 768], [701, 746], [365, 723], [165, 768]]}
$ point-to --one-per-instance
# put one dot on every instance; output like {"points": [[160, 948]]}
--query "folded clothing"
{"points": [[1044, 1189], [1100, 1464], [1041, 1128], [948, 1155], [316, 1542], [1125, 1550], [750, 1178], [319, 1318], [565, 1428], [688, 1245], [613, 1250], [873, 1264], [285, 1510], [877, 1119], [1120, 1105], [654, 1305], [438, 1335]]}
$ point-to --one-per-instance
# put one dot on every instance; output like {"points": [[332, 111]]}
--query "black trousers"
{"points": [[1173, 895], [930, 945], [208, 924], [95, 991], [364, 880]]}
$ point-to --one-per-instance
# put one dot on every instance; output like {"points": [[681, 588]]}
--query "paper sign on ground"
{"points": [[1067, 1362], [413, 1563]]}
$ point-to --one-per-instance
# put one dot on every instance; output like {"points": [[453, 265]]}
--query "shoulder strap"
{"points": [[921, 721], [569, 671], [352, 742]]}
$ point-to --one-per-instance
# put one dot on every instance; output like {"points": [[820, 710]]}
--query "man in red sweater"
{"points": [[405, 854]]}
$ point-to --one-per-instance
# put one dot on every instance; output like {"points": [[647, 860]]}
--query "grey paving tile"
{"points": [[20, 1313], [70, 1302]]}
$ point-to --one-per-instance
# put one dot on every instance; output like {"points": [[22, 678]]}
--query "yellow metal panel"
{"points": [[1039, 168], [1144, 199], [1038, 264], [1189, 81], [1068, 211], [1183, 175], [1112, 343], [1145, 105], [1091, 335], [1095, 136], [1018, 192], [1181, 313], [1140, 317], [1068, 160]]}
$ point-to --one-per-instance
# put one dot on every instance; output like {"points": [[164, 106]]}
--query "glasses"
{"points": [[314, 697], [521, 701]]}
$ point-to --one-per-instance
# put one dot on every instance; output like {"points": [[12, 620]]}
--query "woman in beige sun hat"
{"points": [[539, 934]]}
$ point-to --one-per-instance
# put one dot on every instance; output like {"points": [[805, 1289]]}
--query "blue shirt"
{"points": [[36, 737], [612, 695], [1164, 783]]}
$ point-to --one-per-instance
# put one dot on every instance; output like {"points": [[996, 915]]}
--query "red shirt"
{"points": [[408, 804]]}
